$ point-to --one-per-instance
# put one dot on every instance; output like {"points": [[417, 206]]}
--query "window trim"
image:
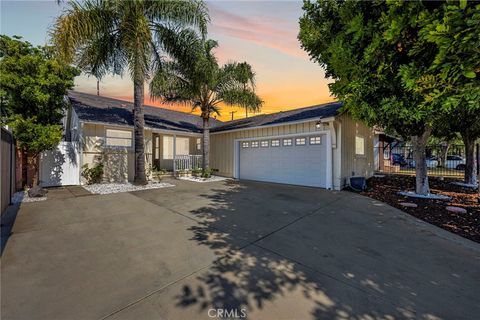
{"points": [[364, 154]]}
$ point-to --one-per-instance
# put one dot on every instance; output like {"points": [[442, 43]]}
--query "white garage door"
{"points": [[291, 160]]}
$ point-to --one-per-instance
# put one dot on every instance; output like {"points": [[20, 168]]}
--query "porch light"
{"points": [[318, 125]]}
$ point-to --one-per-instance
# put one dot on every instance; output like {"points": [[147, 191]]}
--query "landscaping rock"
{"points": [[37, 192], [408, 204], [456, 209], [430, 196]]}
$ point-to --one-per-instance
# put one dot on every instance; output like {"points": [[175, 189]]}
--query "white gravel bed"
{"points": [[421, 196], [22, 196], [107, 188], [202, 180]]}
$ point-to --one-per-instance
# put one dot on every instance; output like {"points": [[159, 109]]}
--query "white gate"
{"points": [[60, 167]]}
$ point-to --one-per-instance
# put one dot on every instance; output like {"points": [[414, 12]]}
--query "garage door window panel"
{"points": [[315, 140], [245, 144], [254, 144], [287, 142], [275, 143], [300, 141], [264, 144]]}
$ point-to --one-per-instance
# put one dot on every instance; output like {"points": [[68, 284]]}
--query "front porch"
{"points": [[176, 152]]}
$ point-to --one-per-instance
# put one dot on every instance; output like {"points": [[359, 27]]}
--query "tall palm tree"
{"points": [[109, 36], [205, 85], [247, 79]]}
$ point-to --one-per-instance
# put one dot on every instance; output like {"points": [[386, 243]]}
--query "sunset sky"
{"points": [[263, 33]]}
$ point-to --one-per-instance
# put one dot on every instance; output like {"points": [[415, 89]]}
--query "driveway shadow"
{"points": [[263, 284], [7, 222]]}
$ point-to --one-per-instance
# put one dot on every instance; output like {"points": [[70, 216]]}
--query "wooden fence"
{"points": [[7, 164]]}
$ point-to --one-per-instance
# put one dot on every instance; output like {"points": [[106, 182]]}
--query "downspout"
{"points": [[331, 145]]}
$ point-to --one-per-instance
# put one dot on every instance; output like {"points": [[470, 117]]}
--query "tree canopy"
{"points": [[34, 86], [399, 65], [33, 83]]}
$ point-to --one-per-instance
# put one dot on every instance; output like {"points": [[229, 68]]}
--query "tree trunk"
{"points": [[470, 167], [419, 153], [444, 153], [35, 160], [206, 145], [24, 167], [139, 124]]}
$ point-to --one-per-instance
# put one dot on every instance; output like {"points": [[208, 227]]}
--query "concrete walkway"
{"points": [[213, 250]]}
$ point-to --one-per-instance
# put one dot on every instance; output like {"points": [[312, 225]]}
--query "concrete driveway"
{"points": [[225, 249]]}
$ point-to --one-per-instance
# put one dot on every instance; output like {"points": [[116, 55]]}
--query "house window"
{"points": [[167, 150], [275, 143], [254, 144], [199, 144], [264, 144], [300, 141], [182, 146], [287, 142], [359, 145], [315, 140], [157, 148], [118, 138], [245, 145]]}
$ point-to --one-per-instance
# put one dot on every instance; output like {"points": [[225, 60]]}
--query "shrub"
{"points": [[197, 172], [207, 173], [94, 174]]}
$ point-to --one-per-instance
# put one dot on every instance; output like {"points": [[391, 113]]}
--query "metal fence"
{"points": [[7, 161], [442, 160]]}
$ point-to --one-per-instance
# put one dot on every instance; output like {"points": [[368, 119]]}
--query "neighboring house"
{"points": [[314, 146]]}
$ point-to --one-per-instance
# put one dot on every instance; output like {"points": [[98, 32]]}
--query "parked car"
{"points": [[432, 162], [398, 159], [455, 162]]}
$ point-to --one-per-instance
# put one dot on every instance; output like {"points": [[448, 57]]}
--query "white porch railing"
{"points": [[187, 162]]}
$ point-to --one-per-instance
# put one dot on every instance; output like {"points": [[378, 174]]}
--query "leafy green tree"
{"points": [[454, 76], [376, 53], [33, 97], [205, 85], [109, 36], [33, 83], [35, 138]]}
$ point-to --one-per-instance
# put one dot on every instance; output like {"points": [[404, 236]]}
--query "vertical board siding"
{"points": [[353, 165], [221, 144]]}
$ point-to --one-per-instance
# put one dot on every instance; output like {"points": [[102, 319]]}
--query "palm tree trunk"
{"points": [[139, 124], [206, 145], [419, 152]]}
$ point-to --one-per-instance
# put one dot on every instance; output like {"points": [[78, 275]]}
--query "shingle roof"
{"points": [[93, 108], [315, 112]]}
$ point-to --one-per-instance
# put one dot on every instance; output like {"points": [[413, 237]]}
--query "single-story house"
{"points": [[315, 146]]}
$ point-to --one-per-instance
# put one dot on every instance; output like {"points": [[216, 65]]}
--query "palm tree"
{"points": [[205, 85], [109, 36]]}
